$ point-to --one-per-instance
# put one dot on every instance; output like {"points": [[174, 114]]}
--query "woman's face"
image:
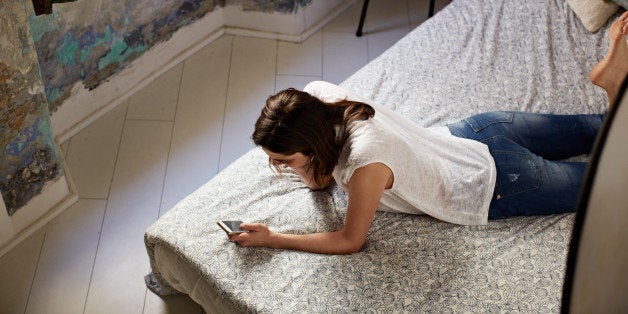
{"points": [[296, 161]]}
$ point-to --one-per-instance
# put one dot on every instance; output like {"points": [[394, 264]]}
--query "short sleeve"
{"points": [[329, 92]]}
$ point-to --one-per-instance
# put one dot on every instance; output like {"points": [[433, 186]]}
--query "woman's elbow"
{"points": [[353, 249], [352, 246]]}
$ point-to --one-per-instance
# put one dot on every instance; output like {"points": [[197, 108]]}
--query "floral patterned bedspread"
{"points": [[473, 56]]}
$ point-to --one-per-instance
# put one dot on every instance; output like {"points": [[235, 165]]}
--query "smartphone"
{"points": [[231, 226]]}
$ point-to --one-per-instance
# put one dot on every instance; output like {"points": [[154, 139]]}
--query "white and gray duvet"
{"points": [[473, 56]]}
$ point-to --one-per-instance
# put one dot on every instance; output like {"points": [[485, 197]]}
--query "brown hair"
{"points": [[296, 122]]}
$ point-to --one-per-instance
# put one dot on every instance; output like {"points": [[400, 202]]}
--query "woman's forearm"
{"points": [[365, 189], [338, 242], [326, 242]]}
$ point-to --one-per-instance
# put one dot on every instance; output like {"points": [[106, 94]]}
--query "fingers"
{"points": [[252, 226], [255, 237], [245, 239], [242, 238], [624, 20], [619, 29]]}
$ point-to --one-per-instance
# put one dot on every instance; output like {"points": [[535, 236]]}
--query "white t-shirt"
{"points": [[435, 173]]}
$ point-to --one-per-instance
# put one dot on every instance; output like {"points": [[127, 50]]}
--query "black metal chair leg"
{"points": [[431, 11], [362, 17], [365, 6]]}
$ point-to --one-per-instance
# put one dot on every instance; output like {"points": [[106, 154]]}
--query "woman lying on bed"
{"points": [[488, 166]]}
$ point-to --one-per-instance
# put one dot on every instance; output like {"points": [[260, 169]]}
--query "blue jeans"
{"points": [[527, 149]]}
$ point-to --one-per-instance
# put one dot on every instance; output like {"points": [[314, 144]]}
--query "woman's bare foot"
{"points": [[611, 71]]}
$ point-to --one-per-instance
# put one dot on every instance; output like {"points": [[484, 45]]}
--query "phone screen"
{"points": [[231, 226]]}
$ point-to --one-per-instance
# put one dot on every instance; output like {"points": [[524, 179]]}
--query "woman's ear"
{"points": [[312, 160]]}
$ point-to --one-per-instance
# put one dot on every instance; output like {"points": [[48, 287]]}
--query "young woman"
{"points": [[488, 166]]}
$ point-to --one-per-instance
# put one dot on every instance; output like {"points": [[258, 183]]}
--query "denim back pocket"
{"points": [[517, 168], [480, 121]]}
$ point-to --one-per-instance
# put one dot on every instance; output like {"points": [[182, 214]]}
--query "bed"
{"points": [[471, 57]]}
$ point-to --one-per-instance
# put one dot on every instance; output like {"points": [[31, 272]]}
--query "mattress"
{"points": [[471, 57]]}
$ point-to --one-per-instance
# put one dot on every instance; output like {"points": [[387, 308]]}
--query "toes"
{"points": [[622, 20], [619, 28]]}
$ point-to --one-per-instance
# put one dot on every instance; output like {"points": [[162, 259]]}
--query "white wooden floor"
{"points": [[137, 161]]}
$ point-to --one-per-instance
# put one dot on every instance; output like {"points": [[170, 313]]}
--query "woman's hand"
{"points": [[258, 235]]}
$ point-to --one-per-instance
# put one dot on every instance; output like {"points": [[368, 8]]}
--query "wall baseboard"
{"points": [[85, 106], [37, 213]]}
